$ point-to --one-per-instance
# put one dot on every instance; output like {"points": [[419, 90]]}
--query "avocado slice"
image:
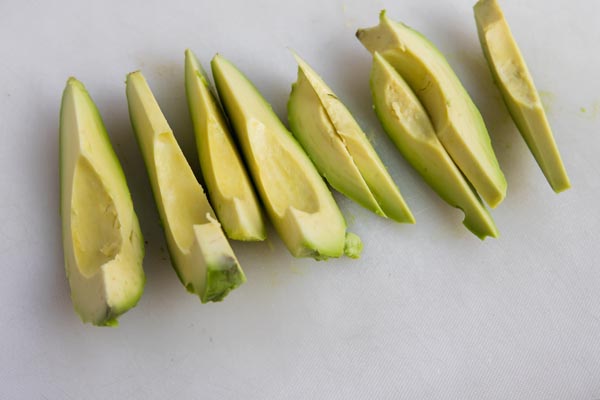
{"points": [[408, 125], [339, 148], [200, 252], [228, 185], [295, 196], [456, 120], [518, 90], [102, 242]]}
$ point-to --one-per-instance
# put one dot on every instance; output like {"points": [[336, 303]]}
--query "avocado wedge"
{"points": [[518, 90], [408, 125], [228, 185], [295, 196], [456, 120], [339, 148], [200, 252], [102, 241]]}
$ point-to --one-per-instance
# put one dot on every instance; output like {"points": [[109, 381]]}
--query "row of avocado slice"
{"points": [[418, 98]]}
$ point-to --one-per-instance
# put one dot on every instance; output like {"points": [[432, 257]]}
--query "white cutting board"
{"points": [[428, 312]]}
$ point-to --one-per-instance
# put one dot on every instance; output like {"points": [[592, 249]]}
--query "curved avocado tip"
{"points": [[74, 81]]}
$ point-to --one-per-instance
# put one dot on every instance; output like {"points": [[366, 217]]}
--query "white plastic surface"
{"points": [[428, 312]]}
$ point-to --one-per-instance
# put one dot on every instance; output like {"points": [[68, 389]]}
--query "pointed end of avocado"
{"points": [[562, 186], [133, 75], [378, 59], [362, 31], [488, 9], [193, 67], [383, 18], [295, 55], [493, 234], [73, 85], [137, 72], [407, 218], [217, 58], [216, 65], [72, 81], [301, 66], [369, 36], [557, 176], [353, 245], [191, 61], [496, 198], [241, 219], [488, 229], [222, 278]]}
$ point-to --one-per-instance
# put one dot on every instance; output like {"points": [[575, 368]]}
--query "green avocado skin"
{"points": [[221, 278], [407, 124]]}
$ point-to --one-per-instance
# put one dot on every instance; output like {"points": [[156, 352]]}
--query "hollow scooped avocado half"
{"points": [[518, 90], [102, 242], [339, 148], [408, 125], [227, 182], [456, 120], [296, 198], [200, 252]]}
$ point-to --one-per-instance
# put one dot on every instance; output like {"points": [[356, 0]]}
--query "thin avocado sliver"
{"points": [[518, 91]]}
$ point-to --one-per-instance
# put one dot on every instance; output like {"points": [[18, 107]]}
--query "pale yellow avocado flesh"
{"points": [[518, 90], [102, 241], [408, 125], [200, 252], [339, 148], [228, 185], [296, 198], [456, 120]]}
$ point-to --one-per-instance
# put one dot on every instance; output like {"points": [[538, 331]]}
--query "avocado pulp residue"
{"points": [[181, 200], [281, 172], [95, 226]]}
